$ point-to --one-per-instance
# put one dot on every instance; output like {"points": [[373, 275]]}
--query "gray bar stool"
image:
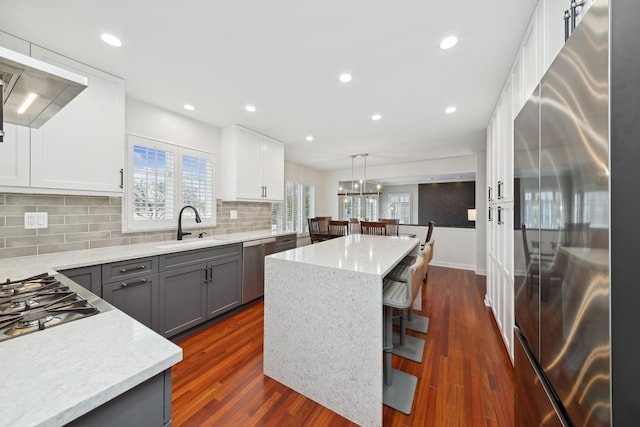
{"points": [[404, 345], [399, 387], [414, 322]]}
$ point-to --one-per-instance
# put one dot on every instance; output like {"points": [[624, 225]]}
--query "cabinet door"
{"points": [[14, 43], [137, 297], [82, 146], [87, 277], [14, 156], [531, 55], [554, 29], [273, 169], [249, 168], [183, 298], [224, 287]]}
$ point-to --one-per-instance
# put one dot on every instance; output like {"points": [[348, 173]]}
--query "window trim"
{"points": [[128, 224]]}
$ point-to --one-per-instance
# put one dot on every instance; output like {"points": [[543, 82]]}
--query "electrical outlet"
{"points": [[36, 220], [234, 214]]}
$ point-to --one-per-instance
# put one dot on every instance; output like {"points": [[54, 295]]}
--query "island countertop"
{"points": [[323, 321], [356, 252]]}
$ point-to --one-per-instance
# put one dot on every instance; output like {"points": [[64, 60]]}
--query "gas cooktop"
{"points": [[40, 302]]}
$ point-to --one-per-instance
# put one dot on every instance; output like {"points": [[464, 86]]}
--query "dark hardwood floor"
{"points": [[465, 379]]}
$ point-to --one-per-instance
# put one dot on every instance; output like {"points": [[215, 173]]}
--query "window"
{"points": [[400, 207], [298, 206], [363, 207], [161, 178]]}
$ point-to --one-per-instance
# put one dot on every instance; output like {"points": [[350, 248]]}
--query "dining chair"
{"points": [[338, 228], [393, 226], [373, 228], [354, 226], [314, 230]]}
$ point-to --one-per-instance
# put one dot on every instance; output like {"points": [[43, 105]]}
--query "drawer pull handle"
{"points": [[125, 270], [139, 282]]}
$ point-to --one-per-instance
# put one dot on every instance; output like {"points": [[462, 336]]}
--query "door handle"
{"points": [[499, 190], [489, 193], [121, 178], [500, 215], [206, 275], [210, 273], [490, 218]]}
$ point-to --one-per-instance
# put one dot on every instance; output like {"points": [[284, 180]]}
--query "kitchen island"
{"points": [[323, 321]]}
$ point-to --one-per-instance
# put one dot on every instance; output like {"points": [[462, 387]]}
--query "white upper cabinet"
{"points": [[14, 43], [81, 148], [14, 157], [554, 19], [252, 166], [532, 55]]}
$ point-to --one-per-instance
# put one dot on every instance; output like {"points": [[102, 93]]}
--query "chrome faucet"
{"points": [[198, 220]]}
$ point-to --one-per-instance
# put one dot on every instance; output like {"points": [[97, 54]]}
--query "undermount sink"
{"points": [[190, 242]]}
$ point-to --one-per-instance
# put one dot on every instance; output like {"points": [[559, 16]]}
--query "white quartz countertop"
{"points": [[21, 267], [53, 376], [362, 253]]}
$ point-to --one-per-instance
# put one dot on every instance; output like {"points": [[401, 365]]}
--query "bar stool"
{"points": [[413, 321], [399, 387], [404, 345]]}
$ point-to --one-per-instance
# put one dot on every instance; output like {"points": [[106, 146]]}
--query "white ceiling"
{"points": [[285, 56]]}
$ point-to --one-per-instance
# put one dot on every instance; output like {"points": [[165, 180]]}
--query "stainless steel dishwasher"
{"points": [[254, 252]]}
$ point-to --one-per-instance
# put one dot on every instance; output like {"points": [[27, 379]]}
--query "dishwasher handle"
{"points": [[258, 242]]}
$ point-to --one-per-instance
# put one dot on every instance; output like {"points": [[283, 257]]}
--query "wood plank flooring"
{"points": [[465, 379]]}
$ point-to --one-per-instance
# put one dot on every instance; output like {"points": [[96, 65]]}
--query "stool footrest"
{"points": [[412, 349], [417, 323]]}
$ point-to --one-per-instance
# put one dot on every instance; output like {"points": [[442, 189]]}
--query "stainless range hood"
{"points": [[23, 77]]}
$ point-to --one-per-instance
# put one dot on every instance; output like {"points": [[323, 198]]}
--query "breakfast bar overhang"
{"points": [[323, 330]]}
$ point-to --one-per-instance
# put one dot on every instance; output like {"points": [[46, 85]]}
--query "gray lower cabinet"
{"points": [[224, 290], [198, 285], [183, 295], [146, 405], [87, 277], [133, 287], [139, 298]]}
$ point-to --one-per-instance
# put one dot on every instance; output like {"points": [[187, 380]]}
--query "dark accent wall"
{"points": [[446, 203]]}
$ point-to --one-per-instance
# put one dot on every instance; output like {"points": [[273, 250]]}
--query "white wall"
{"points": [[454, 247], [151, 121]]}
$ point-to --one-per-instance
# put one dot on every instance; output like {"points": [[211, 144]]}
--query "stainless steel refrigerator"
{"points": [[576, 173]]}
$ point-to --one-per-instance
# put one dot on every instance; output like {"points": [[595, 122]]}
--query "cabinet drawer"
{"points": [[186, 258], [123, 270]]}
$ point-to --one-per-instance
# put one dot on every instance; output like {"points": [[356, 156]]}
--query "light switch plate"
{"points": [[234, 214], [36, 220]]}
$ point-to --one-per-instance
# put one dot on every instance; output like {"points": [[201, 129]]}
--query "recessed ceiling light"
{"points": [[448, 42], [450, 110], [189, 107], [111, 40], [309, 138], [376, 117], [250, 108], [345, 77]]}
